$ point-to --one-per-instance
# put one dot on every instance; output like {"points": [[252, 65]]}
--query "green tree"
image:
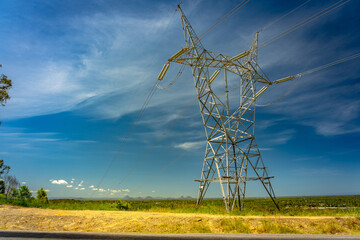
{"points": [[10, 183], [24, 193], [15, 193], [4, 169], [2, 186], [5, 85], [42, 195]]}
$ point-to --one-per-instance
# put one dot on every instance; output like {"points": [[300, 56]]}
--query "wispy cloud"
{"points": [[332, 111], [190, 145], [312, 159], [80, 184], [317, 171], [277, 138], [63, 83]]}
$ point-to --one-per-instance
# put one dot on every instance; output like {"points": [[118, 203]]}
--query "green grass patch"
{"points": [[290, 206]]}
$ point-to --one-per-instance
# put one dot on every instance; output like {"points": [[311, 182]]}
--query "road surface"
{"points": [[30, 235]]}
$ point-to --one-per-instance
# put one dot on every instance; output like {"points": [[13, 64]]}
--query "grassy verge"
{"points": [[294, 206]]}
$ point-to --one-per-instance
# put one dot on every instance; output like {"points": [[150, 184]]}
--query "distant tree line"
{"points": [[10, 187]]}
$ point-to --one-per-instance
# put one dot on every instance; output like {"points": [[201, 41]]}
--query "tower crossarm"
{"points": [[239, 66]]}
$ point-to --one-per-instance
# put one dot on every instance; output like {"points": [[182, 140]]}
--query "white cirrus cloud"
{"points": [[190, 145], [80, 184]]}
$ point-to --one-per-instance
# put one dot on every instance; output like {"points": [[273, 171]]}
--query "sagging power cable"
{"points": [[297, 76], [129, 132], [304, 22], [151, 178], [137, 164], [283, 16], [221, 20], [139, 115]]}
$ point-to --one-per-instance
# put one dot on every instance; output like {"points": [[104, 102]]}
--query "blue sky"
{"points": [[82, 69]]}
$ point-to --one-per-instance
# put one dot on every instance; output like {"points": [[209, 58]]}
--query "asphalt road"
{"points": [[29, 235]]}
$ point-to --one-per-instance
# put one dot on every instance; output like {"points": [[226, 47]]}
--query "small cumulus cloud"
{"points": [[69, 186], [92, 186], [153, 191], [115, 191], [95, 189], [126, 190], [23, 183], [82, 189], [76, 188], [47, 190], [80, 184], [102, 190], [60, 182]]}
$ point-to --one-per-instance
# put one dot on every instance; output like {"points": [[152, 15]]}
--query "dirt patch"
{"points": [[19, 218]]}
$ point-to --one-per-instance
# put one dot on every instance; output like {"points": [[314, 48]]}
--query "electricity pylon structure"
{"points": [[231, 153]]}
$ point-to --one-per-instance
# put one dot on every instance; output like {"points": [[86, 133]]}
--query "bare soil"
{"points": [[20, 218]]}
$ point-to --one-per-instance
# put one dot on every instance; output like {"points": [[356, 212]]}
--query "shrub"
{"points": [[24, 193], [41, 195], [121, 205]]}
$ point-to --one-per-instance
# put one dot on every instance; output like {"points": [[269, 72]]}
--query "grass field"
{"points": [[290, 206]]}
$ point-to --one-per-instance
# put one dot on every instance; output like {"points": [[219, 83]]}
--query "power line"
{"points": [[322, 67], [283, 16], [137, 164], [221, 20], [129, 132], [304, 22], [163, 169], [330, 64], [138, 117], [174, 81], [282, 96]]}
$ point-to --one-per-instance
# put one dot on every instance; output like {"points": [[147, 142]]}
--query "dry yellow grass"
{"points": [[19, 218]]}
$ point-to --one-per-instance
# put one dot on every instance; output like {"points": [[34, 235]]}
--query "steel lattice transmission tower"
{"points": [[231, 153]]}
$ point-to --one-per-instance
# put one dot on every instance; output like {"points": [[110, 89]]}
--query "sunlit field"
{"points": [[289, 206]]}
